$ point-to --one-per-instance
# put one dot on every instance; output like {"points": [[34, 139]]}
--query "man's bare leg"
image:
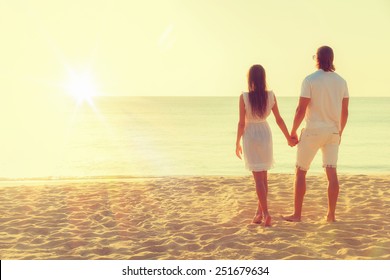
{"points": [[299, 194], [333, 193]]}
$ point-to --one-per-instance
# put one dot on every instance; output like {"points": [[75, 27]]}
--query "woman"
{"points": [[255, 107]]}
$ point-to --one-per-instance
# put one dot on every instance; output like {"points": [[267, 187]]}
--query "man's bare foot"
{"points": [[267, 221], [258, 218], [291, 218]]}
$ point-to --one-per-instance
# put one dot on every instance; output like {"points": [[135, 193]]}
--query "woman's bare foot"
{"points": [[331, 218], [267, 220], [291, 218], [258, 218]]}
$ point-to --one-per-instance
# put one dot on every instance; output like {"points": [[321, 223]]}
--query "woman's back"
{"points": [[249, 116]]}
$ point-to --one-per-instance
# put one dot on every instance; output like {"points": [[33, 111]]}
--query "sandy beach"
{"points": [[191, 218]]}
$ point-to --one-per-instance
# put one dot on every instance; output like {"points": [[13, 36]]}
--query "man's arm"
{"points": [[299, 115], [344, 114]]}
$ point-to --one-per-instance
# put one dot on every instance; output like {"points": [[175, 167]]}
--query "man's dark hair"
{"points": [[325, 59]]}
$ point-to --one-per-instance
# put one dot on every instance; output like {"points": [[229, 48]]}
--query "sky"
{"points": [[187, 48]]}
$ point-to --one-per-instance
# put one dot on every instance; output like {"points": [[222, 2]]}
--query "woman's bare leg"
{"points": [[262, 192]]}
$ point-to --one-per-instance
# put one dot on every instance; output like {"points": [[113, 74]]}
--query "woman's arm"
{"points": [[281, 124], [240, 127]]}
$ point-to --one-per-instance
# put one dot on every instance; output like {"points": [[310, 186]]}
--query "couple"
{"points": [[324, 105]]}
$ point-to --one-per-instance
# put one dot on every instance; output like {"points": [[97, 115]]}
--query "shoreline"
{"points": [[192, 217], [4, 180]]}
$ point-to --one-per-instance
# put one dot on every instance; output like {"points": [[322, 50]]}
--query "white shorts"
{"points": [[311, 140]]}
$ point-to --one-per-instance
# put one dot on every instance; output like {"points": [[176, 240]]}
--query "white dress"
{"points": [[257, 137]]}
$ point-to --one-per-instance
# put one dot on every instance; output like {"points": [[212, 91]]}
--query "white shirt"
{"points": [[326, 91]]}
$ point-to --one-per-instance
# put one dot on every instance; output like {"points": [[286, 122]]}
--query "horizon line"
{"points": [[360, 96]]}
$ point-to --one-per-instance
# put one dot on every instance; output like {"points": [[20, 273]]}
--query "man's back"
{"points": [[326, 91], [324, 102]]}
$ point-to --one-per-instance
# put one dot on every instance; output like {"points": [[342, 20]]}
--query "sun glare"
{"points": [[82, 87]]}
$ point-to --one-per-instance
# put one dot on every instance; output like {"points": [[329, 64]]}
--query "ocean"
{"points": [[166, 136]]}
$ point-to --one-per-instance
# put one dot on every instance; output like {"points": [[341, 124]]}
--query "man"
{"points": [[324, 105]]}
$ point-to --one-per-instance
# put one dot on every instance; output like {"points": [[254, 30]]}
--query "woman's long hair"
{"points": [[257, 87]]}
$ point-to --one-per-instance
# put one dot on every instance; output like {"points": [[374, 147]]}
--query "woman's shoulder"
{"points": [[271, 98], [244, 95], [271, 93], [245, 98]]}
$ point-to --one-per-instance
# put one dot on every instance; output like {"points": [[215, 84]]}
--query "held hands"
{"points": [[292, 142], [293, 139]]}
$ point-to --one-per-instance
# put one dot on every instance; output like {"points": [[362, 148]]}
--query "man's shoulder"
{"points": [[313, 75], [339, 76], [320, 74]]}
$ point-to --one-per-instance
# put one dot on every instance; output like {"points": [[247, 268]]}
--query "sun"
{"points": [[81, 86]]}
